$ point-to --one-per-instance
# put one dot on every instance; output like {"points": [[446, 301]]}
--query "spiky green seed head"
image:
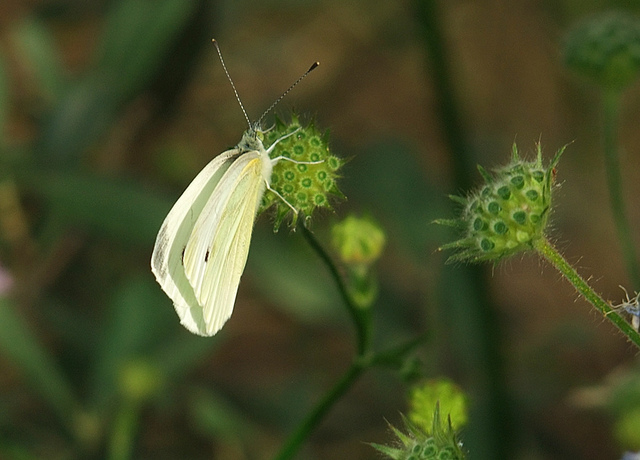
{"points": [[508, 213], [438, 443], [606, 48], [306, 187]]}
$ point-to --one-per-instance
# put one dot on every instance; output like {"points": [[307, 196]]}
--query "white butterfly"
{"points": [[202, 247]]}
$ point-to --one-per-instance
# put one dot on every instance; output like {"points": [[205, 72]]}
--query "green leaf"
{"points": [[290, 276], [219, 419], [19, 345], [34, 46], [112, 207], [134, 326], [80, 118], [137, 37], [4, 100]]}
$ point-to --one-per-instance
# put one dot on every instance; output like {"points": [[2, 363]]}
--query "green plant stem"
{"points": [[477, 345], [611, 109], [360, 317], [550, 253], [124, 428], [387, 358], [364, 359], [296, 439]]}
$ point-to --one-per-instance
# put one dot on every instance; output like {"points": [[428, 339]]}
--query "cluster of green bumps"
{"points": [[508, 213], [306, 187]]}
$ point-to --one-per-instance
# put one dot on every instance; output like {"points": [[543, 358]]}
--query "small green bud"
{"points": [[507, 214], [359, 242], [306, 187], [605, 48], [424, 397]]}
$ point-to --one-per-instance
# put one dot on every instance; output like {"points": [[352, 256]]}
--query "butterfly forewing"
{"points": [[217, 249]]}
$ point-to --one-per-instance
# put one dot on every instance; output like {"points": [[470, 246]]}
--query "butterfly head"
{"points": [[251, 139]]}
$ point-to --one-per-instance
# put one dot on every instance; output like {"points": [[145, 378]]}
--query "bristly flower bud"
{"points": [[506, 215], [306, 187], [606, 48], [438, 443]]}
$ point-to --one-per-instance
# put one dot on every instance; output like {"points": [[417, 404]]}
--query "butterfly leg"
{"points": [[272, 146], [276, 159], [275, 192]]}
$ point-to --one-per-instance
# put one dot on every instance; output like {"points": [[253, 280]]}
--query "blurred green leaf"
{"points": [[291, 276], [388, 178], [117, 208], [134, 326], [79, 119], [181, 352], [81, 116], [19, 345], [4, 100], [15, 452], [218, 419], [37, 53], [138, 35]]}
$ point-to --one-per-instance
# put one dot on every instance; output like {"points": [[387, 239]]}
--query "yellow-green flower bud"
{"points": [[359, 242], [424, 397]]}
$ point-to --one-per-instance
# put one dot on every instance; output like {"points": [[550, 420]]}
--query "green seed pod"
{"points": [[508, 213], [439, 442], [306, 187]]}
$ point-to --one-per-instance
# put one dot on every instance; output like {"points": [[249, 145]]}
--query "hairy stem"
{"points": [[551, 254]]}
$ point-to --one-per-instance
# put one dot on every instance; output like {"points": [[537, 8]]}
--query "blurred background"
{"points": [[108, 109]]}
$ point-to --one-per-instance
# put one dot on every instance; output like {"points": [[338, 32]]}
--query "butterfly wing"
{"points": [[166, 260], [216, 251]]}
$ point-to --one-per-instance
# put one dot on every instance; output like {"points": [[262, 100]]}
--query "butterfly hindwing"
{"points": [[166, 261]]}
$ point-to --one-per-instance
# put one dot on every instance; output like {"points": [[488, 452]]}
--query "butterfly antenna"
{"points": [[232, 85], [313, 66]]}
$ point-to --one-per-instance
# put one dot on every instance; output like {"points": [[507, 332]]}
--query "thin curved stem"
{"points": [[361, 317], [296, 439], [391, 357], [551, 254], [611, 109]]}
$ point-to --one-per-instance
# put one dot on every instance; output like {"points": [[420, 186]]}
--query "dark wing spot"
{"points": [[182, 256], [206, 257]]}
